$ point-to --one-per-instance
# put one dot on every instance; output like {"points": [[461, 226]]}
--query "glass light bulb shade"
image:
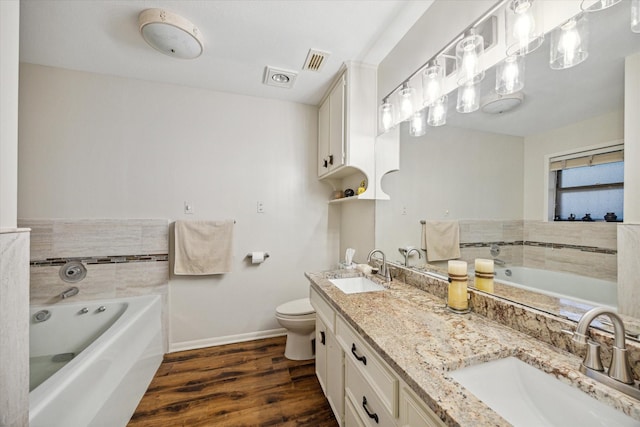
{"points": [[432, 84], [386, 116], [510, 75], [635, 16], [569, 43], [407, 99], [468, 98], [589, 6], [438, 112], [469, 53], [418, 123], [523, 24]]}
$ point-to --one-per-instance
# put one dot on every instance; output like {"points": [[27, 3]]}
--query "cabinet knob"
{"points": [[371, 414], [325, 163], [322, 338], [330, 159]]}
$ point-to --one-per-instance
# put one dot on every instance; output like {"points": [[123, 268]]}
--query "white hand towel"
{"points": [[203, 247], [441, 240]]}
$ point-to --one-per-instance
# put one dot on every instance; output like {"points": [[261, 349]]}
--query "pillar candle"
{"points": [[484, 275], [457, 295]]}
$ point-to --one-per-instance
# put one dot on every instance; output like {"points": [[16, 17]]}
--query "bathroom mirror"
{"points": [[487, 170]]}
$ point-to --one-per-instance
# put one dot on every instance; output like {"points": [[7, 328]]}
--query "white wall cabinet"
{"points": [[347, 128], [331, 129], [361, 388]]}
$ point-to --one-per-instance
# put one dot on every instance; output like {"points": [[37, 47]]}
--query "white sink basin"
{"points": [[355, 285], [526, 396]]}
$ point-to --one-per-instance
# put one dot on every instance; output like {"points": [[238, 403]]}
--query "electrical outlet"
{"points": [[188, 208], [260, 207], [404, 210]]}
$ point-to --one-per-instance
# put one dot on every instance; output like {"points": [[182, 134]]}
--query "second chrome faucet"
{"points": [[384, 269]]}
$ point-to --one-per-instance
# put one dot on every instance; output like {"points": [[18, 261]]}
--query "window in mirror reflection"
{"points": [[589, 188]]}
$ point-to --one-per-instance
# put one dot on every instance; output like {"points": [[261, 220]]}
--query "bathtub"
{"points": [[91, 367], [560, 285]]}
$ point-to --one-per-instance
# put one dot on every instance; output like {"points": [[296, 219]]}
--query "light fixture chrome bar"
{"points": [[451, 44]]}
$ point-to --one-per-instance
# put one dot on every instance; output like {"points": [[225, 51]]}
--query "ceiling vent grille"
{"points": [[315, 60]]}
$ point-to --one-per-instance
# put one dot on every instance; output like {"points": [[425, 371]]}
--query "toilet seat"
{"points": [[299, 308]]}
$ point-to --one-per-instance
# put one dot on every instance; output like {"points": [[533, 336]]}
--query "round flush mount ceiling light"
{"points": [[170, 34]]}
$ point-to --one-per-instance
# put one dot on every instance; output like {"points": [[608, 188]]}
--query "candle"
{"points": [[484, 275], [457, 293], [458, 268], [484, 265]]}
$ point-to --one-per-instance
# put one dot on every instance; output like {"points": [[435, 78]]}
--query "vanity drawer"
{"points": [[323, 310], [365, 400], [371, 367]]}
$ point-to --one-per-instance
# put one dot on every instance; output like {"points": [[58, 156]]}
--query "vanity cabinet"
{"points": [[329, 356], [361, 388], [347, 126]]}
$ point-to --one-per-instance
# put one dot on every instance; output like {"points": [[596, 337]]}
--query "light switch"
{"points": [[188, 208]]}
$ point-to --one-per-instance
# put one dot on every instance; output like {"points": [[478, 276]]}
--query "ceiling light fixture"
{"points": [[170, 34], [386, 116], [469, 53], [438, 112], [279, 77]]}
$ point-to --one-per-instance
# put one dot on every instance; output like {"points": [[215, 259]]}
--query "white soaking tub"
{"points": [[560, 285], [92, 361]]}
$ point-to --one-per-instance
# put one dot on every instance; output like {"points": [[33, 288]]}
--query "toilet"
{"points": [[299, 319]]}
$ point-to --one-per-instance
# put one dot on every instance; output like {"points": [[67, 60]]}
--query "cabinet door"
{"points": [[321, 354], [337, 125], [414, 413], [335, 376], [323, 137]]}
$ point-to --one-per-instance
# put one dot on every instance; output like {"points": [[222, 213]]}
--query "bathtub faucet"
{"points": [[69, 292], [498, 261]]}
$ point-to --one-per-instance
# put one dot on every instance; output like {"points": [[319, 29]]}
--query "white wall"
{"points": [[595, 130], [95, 146], [449, 173], [9, 42]]}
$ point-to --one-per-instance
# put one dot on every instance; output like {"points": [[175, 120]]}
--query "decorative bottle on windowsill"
{"points": [[587, 218], [610, 217]]}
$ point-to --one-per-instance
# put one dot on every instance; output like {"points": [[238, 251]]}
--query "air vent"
{"points": [[315, 60]]}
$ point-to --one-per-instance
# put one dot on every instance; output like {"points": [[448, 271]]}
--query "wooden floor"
{"points": [[245, 384]]}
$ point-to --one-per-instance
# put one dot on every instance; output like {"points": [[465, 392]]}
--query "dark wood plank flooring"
{"points": [[244, 384]]}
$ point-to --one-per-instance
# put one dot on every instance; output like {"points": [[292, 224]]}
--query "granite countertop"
{"points": [[414, 332]]}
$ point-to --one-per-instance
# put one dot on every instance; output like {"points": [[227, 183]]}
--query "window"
{"points": [[589, 185]]}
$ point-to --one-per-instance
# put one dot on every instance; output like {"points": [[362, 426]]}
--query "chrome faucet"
{"points": [[408, 253], [619, 375], [384, 269], [498, 261], [70, 292]]}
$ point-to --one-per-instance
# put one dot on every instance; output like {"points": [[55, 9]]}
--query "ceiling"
{"points": [[241, 38]]}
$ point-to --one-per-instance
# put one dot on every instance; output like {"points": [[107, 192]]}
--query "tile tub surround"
{"points": [[14, 327], [422, 341], [123, 258]]}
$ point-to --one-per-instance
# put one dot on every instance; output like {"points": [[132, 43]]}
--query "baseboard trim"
{"points": [[229, 339]]}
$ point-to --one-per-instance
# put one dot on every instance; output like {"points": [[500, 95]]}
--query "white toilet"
{"points": [[299, 319]]}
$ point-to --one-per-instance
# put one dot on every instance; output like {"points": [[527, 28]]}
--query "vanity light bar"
{"points": [[452, 45]]}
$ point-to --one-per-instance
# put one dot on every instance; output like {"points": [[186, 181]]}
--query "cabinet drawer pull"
{"points": [[330, 159], [363, 359], [322, 338], [325, 163], [364, 405]]}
